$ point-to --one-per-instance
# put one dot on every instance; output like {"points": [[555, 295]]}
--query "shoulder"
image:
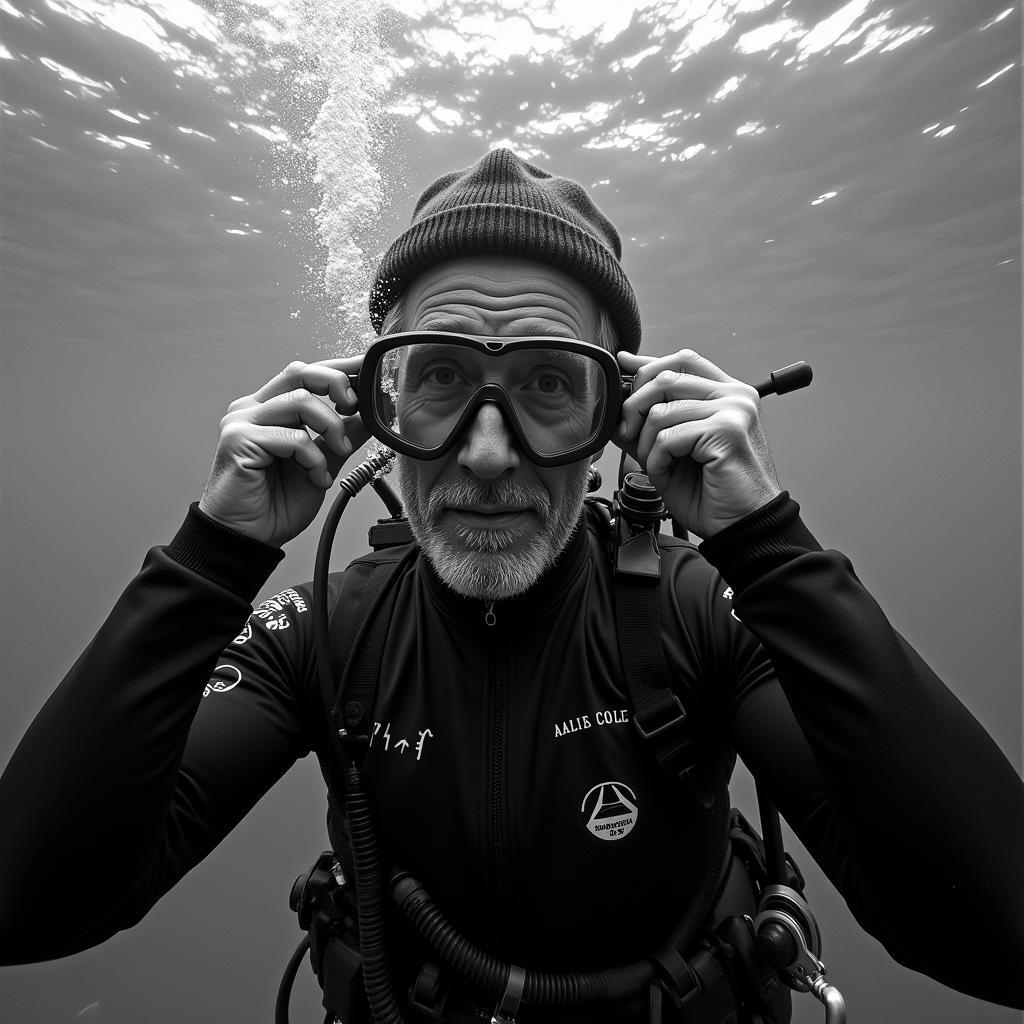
{"points": [[390, 555], [287, 614], [378, 563], [700, 631], [692, 581]]}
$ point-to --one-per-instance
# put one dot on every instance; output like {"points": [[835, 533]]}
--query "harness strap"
{"points": [[358, 648], [658, 713]]}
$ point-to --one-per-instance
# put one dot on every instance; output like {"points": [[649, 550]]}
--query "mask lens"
{"points": [[558, 396], [423, 389]]}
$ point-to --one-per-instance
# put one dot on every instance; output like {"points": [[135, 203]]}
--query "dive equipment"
{"points": [[560, 397], [782, 937]]}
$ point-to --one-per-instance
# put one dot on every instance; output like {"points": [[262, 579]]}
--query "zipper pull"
{"points": [[489, 617]]}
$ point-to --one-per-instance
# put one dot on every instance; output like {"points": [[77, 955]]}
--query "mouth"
{"points": [[491, 517]]}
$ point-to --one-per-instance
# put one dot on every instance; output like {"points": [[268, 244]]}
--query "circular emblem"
{"points": [[222, 685], [609, 810]]}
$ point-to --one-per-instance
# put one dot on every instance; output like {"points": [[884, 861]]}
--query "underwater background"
{"points": [[194, 194]]}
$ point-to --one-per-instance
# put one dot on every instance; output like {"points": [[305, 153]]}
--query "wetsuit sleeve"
{"points": [[902, 797], [158, 741]]}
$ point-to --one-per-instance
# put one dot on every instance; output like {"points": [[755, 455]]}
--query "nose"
{"points": [[488, 449]]}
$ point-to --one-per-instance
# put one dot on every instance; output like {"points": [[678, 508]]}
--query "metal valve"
{"points": [[789, 938]]}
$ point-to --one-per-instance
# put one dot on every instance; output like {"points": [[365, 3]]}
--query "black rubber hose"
{"points": [[349, 487], [284, 992], [489, 974], [380, 992], [391, 500], [552, 989], [771, 826]]}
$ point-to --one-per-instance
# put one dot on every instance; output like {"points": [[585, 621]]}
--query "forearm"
{"points": [[927, 811], [88, 791]]}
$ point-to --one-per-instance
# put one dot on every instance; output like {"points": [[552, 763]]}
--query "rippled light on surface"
{"points": [[323, 91], [998, 74], [1001, 16]]}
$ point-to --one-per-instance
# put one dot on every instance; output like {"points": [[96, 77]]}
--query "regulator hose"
{"points": [[380, 993], [487, 973], [350, 486], [376, 977]]}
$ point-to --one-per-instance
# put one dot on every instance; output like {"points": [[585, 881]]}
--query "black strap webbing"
{"points": [[658, 713], [357, 646]]}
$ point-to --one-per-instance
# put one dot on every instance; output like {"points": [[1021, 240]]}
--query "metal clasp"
{"points": [[782, 905]]}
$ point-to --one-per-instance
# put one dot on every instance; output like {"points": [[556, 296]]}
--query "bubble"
{"points": [[344, 40], [319, 70]]}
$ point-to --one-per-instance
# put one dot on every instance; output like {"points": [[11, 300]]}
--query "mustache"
{"points": [[458, 493]]}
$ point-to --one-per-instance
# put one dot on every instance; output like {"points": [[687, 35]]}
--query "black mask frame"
{"points": [[617, 389]]}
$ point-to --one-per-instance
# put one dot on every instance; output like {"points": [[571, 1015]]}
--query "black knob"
{"points": [[776, 944], [639, 500], [789, 378]]}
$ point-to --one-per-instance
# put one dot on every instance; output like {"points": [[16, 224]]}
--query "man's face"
{"points": [[491, 521]]}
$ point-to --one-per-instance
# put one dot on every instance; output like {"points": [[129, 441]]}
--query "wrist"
{"points": [[759, 542], [226, 556]]}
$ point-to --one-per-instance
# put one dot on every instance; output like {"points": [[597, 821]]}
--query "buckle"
{"points": [[638, 558], [678, 717]]}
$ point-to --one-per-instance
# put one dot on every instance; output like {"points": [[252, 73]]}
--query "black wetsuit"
{"points": [[504, 771]]}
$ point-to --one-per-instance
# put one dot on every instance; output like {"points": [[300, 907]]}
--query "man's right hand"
{"points": [[269, 475]]}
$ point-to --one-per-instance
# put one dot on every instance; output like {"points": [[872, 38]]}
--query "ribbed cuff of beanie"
{"points": [[761, 541], [225, 556]]}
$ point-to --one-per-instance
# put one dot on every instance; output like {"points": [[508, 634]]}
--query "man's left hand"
{"points": [[698, 433]]}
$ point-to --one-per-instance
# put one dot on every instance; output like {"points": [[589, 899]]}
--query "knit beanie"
{"points": [[504, 205]]}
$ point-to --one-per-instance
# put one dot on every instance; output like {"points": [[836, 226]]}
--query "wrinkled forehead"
{"points": [[501, 295]]}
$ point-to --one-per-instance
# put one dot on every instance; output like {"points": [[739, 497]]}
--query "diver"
{"points": [[490, 738]]}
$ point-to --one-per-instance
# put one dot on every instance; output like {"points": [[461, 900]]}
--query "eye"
{"points": [[441, 375], [549, 383]]}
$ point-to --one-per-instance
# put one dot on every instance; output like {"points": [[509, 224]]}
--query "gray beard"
{"points": [[481, 567]]}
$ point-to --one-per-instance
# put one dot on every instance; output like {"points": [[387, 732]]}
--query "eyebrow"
{"points": [[550, 331], [455, 324]]}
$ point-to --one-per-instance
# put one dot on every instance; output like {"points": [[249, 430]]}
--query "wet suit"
{"points": [[504, 772]]}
